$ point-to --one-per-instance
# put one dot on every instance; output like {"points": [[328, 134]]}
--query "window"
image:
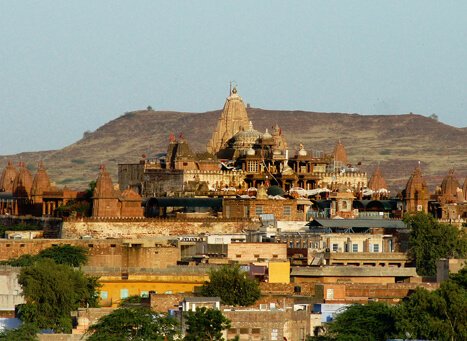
{"points": [[104, 295], [375, 247], [231, 333], [287, 210], [144, 294], [258, 209], [335, 247], [256, 256], [238, 256], [252, 166], [113, 245], [123, 293], [275, 256], [354, 247], [90, 245]]}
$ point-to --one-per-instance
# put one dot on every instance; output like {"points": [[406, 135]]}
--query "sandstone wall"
{"points": [[148, 228], [106, 253]]}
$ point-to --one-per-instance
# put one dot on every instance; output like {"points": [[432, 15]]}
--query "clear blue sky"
{"points": [[71, 66]]}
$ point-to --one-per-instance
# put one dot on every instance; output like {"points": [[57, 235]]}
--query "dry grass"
{"points": [[397, 142]]}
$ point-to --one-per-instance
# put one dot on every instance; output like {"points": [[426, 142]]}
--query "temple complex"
{"points": [[240, 162], [239, 157]]}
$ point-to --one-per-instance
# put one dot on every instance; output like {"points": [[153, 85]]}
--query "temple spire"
{"points": [[233, 119]]}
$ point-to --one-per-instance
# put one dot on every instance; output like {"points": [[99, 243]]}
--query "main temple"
{"points": [[238, 157]]}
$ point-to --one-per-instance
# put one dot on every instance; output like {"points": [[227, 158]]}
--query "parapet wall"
{"points": [[149, 228]]}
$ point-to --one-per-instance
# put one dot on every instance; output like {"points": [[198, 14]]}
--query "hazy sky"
{"points": [[70, 66]]}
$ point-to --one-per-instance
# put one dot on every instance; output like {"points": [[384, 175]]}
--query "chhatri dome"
{"points": [[301, 151]]}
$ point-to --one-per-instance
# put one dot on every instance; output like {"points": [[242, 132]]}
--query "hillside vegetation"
{"points": [[396, 142]]}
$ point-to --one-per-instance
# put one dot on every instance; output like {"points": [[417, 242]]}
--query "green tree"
{"points": [[416, 316], [52, 291], [232, 285], [24, 260], [66, 254], [26, 332], [372, 321], [205, 324], [430, 240], [437, 315], [133, 323], [460, 278]]}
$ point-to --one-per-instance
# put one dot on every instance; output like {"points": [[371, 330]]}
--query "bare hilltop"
{"points": [[395, 142]]}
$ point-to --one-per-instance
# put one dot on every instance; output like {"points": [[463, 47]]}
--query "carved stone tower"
{"points": [[7, 178], [105, 199], [233, 119], [40, 184], [340, 155], [377, 181], [416, 193]]}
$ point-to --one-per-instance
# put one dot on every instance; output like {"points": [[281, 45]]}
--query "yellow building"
{"points": [[115, 288], [279, 272]]}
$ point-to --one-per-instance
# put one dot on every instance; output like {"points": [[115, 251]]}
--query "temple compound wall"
{"points": [[148, 228]]}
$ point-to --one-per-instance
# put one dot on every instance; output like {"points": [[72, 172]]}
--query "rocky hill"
{"points": [[396, 142]]}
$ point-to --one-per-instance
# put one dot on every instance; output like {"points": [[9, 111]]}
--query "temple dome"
{"points": [[233, 119], [104, 187], [339, 153], [8, 177], [377, 181], [41, 182], [416, 181], [267, 135], [245, 139], [23, 182], [449, 187], [250, 152]]}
